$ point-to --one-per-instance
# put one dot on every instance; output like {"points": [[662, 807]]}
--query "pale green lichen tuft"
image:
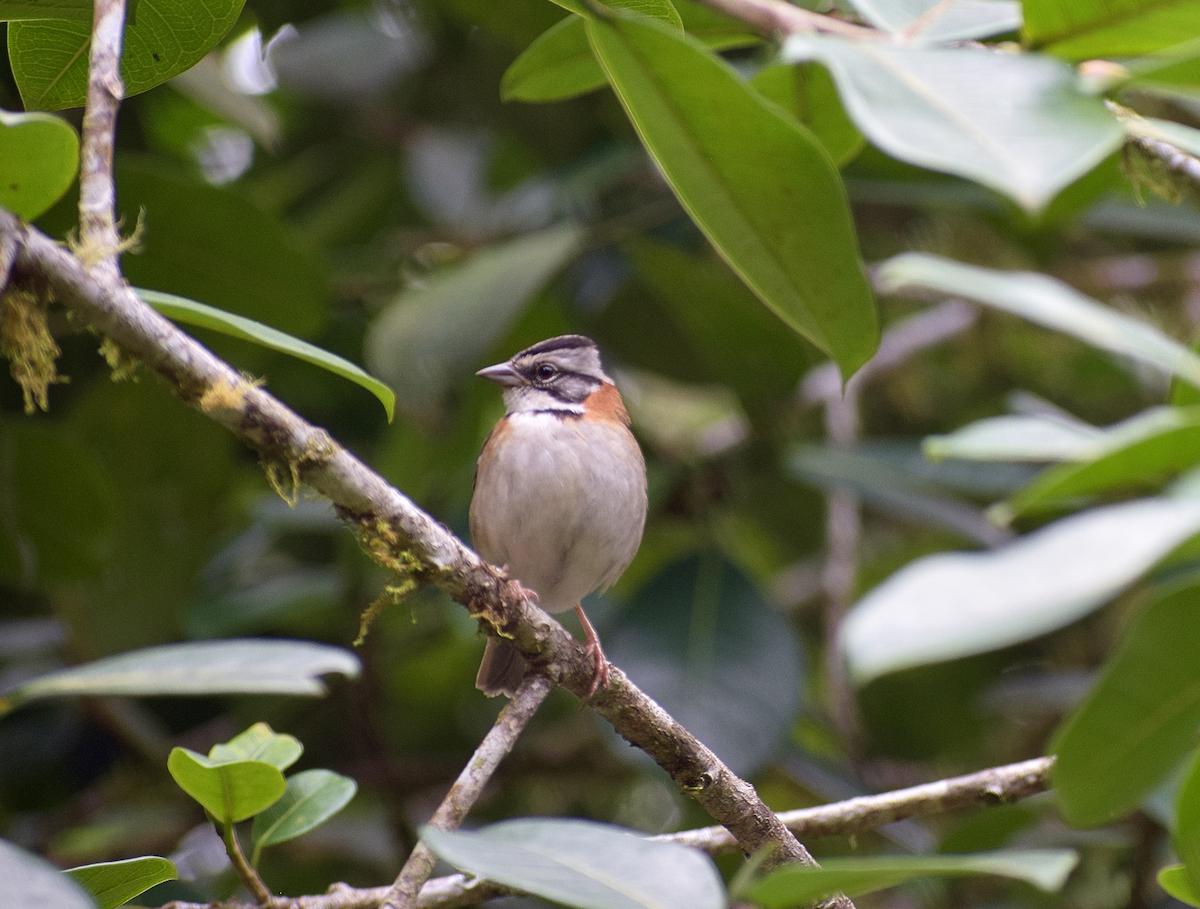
{"points": [[26, 341]]}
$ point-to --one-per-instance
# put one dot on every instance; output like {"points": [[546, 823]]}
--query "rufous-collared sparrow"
{"points": [[560, 490]]}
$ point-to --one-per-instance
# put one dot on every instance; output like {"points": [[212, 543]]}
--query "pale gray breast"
{"points": [[567, 505]]}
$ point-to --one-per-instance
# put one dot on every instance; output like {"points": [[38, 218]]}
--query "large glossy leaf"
{"points": [[181, 309], [584, 864], [230, 791], [260, 743], [1046, 437], [311, 798], [162, 39], [955, 604], [938, 20], [797, 886], [559, 62], [941, 109], [207, 243], [34, 882], [203, 667], [13, 10], [39, 154], [1083, 29], [115, 883], [1187, 824], [433, 335], [702, 641], [765, 194], [1043, 301], [1140, 719], [807, 92], [1167, 443]]}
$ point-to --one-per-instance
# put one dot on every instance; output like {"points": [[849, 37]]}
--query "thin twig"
{"points": [[97, 194], [469, 786], [994, 786]]}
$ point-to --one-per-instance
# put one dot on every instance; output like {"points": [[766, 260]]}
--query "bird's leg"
{"points": [[593, 648]]}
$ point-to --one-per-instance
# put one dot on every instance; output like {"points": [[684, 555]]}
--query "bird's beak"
{"points": [[501, 374]]}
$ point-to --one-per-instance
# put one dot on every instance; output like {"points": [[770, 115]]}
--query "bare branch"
{"points": [[97, 195], [467, 788], [994, 786]]}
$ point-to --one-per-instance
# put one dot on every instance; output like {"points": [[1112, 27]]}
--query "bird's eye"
{"points": [[545, 372]]}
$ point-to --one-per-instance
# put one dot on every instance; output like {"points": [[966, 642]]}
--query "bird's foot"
{"points": [[592, 647]]}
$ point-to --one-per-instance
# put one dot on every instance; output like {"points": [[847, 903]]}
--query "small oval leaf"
{"points": [[40, 155], [116, 883], [311, 798], [230, 792], [259, 743]]}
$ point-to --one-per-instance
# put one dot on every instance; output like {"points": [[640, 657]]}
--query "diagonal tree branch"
{"points": [[393, 530]]}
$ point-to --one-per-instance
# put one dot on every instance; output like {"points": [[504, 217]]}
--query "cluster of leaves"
{"points": [[398, 209]]}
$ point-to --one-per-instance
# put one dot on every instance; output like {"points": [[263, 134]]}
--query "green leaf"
{"points": [[940, 109], [40, 154], [1084, 29], [1043, 301], [311, 798], [583, 864], [259, 743], [162, 39], [765, 194], [807, 92], [230, 792], [13, 10], [797, 885], [703, 642], [1187, 824], [180, 309], [952, 605], [32, 882], [116, 883], [433, 335], [209, 243], [246, 666], [1141, 717], [1174, 880], [559, 63], [1039, 437], [1166, 441], [939, 20]]}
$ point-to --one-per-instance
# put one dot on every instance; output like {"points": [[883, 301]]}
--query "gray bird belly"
{"points": [[565, 517]]}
